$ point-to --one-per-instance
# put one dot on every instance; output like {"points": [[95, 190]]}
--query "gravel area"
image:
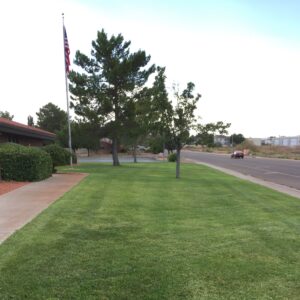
{"points": [[7, 186]]}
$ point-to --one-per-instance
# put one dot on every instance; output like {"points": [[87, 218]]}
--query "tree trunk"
{"points": [[88, 149], [178, 162], [115, 152], [164, 145], [134, 153]]}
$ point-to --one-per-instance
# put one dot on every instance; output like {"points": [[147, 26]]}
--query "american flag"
{"points": [[67, 51]]}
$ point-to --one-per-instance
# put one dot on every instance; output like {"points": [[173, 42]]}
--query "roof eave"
{"points": [[26, 132]]}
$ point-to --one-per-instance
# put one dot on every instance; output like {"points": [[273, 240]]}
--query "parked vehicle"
{"points": [[142, 148], [237, 154]]}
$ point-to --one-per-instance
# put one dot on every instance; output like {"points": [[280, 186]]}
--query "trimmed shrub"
{"points": [[172, 157], [60, 156], [22, 163]]}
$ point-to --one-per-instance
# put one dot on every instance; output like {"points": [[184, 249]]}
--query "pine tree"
{"points": [[108, 81]]}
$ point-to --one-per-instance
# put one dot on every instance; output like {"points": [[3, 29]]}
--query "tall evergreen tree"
{"points": [[161, 108], [30, 121], [108, 81]]}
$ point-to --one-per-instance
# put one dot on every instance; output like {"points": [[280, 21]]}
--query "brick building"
{"points": [[15, 132]]}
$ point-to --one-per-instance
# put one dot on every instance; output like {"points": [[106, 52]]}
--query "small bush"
{"points": [[22, 163], [172, 157], [60, 156]]}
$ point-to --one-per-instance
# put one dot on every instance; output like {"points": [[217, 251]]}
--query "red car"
{"points": [[237, 154]]}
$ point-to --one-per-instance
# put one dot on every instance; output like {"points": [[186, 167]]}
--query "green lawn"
{"points": [[135, 232]]}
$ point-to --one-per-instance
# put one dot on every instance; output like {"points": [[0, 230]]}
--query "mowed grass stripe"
{"points": [[135, 232]]}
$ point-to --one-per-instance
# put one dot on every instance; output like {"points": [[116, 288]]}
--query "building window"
{"points": [[13, 139]]}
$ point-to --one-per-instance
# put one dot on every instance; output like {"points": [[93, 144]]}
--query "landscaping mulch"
{"points": [[7, 186]]}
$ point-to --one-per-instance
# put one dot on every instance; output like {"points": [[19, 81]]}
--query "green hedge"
{"points": [[60, 156], [22, 163]]}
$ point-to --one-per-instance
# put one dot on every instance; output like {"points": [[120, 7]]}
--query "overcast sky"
{"points": [[242, 55]]}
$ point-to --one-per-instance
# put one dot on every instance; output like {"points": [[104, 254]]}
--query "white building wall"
{"points": [[287, 141], [255, 141]]}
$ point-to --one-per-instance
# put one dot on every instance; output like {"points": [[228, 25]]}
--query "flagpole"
{"points": [[67, 95]]}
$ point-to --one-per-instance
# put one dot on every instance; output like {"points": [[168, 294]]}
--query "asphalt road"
{"points": [[281, 171]]}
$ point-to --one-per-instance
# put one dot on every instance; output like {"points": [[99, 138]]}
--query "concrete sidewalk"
{"points": [[20, 206]]}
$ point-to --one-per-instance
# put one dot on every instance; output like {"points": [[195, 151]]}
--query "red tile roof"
{"points": [[16, 125]]}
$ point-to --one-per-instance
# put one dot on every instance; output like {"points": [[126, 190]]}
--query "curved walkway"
{"points": [[20, 206]]}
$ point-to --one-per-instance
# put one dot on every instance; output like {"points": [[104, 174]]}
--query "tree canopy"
{"points": [[30, 121], [109, 91], [6, 115], [206, 132], [51, 118], [184, 119], [237, 139], [85, 135], [161, 110], [108, 81]]}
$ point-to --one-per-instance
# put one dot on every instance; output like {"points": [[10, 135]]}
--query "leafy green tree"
{"points": [[221, 128], [169, 143], [85, 135], [30, 121], [155, 144], [183, 119], [51, 118], [205, 139], [237, 139], [206, 132], [154, 113], [6, 115], [138, 120], [161, 109], [108, 81], [62, 137], [152, 116]]}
